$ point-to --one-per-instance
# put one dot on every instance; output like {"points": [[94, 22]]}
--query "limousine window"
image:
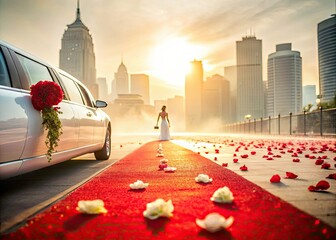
{"points": [[36, 72], [87, 99], [72, 89], [4, 77]]}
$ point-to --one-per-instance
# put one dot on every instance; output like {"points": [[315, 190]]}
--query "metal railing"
{"points": [[321, 122]]}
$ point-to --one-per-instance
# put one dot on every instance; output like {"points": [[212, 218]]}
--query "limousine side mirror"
{"points": [[100, 104]]}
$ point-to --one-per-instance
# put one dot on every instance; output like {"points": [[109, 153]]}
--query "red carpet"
{"points": [[257, 214]]}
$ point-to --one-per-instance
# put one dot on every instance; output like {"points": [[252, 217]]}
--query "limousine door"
{"points": [[83, 114]]}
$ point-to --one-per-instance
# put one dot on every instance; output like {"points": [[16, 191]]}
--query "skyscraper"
{"points": [[122, 79], [140, 85], [230, 73], [193, 96], [250, 96], [326, 31], [309, 95], [284, 81], [216, 99], [77, 54]]}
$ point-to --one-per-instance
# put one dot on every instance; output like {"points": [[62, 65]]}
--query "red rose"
{"points": [[275, 178], [45, 94]]}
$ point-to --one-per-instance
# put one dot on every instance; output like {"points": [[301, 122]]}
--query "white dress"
{"points": [[164, 130]]}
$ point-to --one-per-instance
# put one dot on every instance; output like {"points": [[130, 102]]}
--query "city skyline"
{"points": [[160, 39]]}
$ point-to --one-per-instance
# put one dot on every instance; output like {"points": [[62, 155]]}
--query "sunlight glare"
{"points": [[171, 59]]}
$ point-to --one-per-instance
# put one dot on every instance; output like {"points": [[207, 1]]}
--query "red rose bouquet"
{"points": [[45, 95]]}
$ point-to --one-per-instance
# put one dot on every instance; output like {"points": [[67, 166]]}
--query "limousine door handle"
{"points": [[89, 114]]}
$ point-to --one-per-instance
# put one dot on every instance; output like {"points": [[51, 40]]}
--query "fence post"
{"points": [[321, 123], [290, 123], [279, 124], [269, 125], [249, 123], [261, 123], [255, 128], [304, 123]]}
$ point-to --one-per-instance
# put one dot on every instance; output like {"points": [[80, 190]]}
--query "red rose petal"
{"points": [[275, 178], [225, 164], [253, 153], [243, 168], [269, 158], [291, 175], [319, 162], [235, 160], [244, 156], [325, 166], [296, 160], [215, 158], [163, 166], [321, 185], [332, 176]]}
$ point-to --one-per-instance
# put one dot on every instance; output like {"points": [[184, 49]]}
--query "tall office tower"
{"points": [[193, 96], [216, 99], [175, 108], [103, 90], [250, 96], [309, 95], [284, 81], [140, 85], [326, 34], [230, 73], [121, 79], [265, 84], [77, 55]]}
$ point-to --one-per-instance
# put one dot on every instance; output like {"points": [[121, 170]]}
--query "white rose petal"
{"points": [[170, 169], [164, 160], [203, 178], [222, 195], [159, 155], [91, 206], [159, 208], [138, 185], [214, 222]]}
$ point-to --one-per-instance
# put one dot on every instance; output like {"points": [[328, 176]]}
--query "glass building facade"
{"points": [[326, 31]]}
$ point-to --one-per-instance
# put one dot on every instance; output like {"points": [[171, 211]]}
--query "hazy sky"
{"points": [[161, 37]]}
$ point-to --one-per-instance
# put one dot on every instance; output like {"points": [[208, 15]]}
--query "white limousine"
{"points": [[86, 128]]}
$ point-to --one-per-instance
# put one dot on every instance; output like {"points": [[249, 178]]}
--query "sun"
{"points": [[170, 60]]}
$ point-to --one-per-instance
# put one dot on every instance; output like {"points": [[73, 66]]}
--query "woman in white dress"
{"points": [[165, 124]]}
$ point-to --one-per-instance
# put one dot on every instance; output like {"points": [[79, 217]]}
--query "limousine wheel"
{"points": [[105, 152]]}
